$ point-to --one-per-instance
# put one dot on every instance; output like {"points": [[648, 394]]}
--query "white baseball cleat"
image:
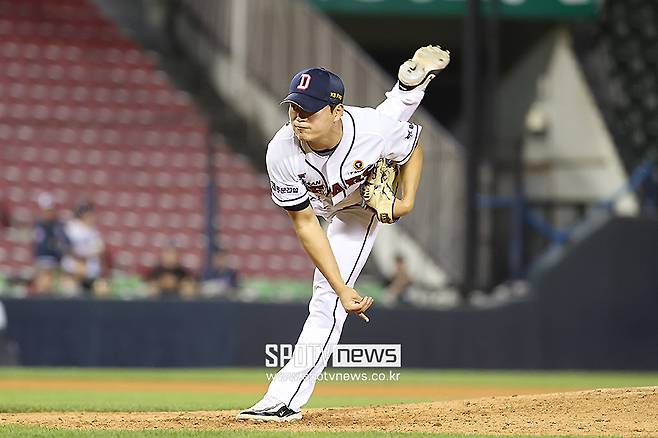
{"points": [[269, 409], [418, 71]]}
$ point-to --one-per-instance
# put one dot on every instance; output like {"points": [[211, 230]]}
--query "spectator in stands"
{"points": [[49, 246], [69, 285], [221, 279], [83, 261], [102, 289], [169, 278], [397, 289]]}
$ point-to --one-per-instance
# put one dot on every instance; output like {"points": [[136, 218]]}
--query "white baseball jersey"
{"points": [[330, 181]]}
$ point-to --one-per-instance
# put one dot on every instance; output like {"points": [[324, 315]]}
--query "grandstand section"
{"points": [[85, 113]]}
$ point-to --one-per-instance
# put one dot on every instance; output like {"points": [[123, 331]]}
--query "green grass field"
{"points": [[94, 390]]}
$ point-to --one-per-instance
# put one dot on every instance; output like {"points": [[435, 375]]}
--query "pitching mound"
{"points": [[628, 411]]}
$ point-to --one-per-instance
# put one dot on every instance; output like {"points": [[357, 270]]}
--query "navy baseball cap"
{"points": [[314, 88]]}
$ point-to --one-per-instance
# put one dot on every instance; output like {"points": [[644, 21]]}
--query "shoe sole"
{"points": [[427, 73], [261, 419]]}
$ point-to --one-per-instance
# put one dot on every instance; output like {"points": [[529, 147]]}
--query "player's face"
{"points": [[311, 126]]}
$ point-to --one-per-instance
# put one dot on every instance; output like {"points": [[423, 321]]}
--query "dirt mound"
{"points": [[626, 411]]}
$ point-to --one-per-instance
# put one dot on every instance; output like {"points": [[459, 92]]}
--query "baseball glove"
{"points": [[379, 189]]}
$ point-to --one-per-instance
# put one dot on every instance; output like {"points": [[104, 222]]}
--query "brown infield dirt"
{"points": [[621, 412]]}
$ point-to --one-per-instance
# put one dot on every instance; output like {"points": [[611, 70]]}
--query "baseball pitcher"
{"points": [[345, 164]]}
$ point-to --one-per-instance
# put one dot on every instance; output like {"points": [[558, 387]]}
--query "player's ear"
{"points": [[338, 112]]}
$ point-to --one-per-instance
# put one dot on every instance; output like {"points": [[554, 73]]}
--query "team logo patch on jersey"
{"points": [[358, 165]]}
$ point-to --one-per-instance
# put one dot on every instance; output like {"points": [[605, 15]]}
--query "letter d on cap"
{"points": [[304, 81]]}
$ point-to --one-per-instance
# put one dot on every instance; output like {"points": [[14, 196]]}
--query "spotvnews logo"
{"points": [[342, 355]]}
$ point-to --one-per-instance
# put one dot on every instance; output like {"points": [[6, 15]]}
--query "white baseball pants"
{"points": [[351, 234]]}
